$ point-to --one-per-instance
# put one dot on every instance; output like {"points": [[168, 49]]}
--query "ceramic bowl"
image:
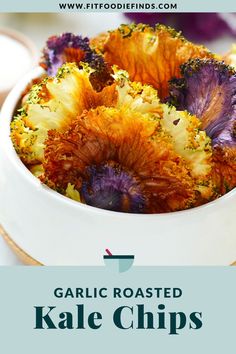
{"points": [[55, 230]]}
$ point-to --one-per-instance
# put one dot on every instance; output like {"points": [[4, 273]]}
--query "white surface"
{"points": [[7, 257]]}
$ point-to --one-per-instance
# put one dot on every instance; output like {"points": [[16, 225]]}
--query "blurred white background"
{"points": [[38, 27]]}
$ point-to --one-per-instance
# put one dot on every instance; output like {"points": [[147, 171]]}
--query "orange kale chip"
{"points": [[150, 55]]}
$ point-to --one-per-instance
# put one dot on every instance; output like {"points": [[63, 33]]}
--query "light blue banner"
{"points": [[175, 296], [117, 6]]}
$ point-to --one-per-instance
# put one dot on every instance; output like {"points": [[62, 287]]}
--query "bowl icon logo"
{"points": [[118, 263]]}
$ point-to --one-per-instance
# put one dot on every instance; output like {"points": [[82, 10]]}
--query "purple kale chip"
{"points": [[207, 89], [65, 47], [72, 48], [112, 189]]}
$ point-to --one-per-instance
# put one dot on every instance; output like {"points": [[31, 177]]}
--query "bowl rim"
{"points": [[29, 46], [23, 39], [8, 109]]}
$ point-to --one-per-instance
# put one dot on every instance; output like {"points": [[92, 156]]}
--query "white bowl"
{"points": [[58, 231]]}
